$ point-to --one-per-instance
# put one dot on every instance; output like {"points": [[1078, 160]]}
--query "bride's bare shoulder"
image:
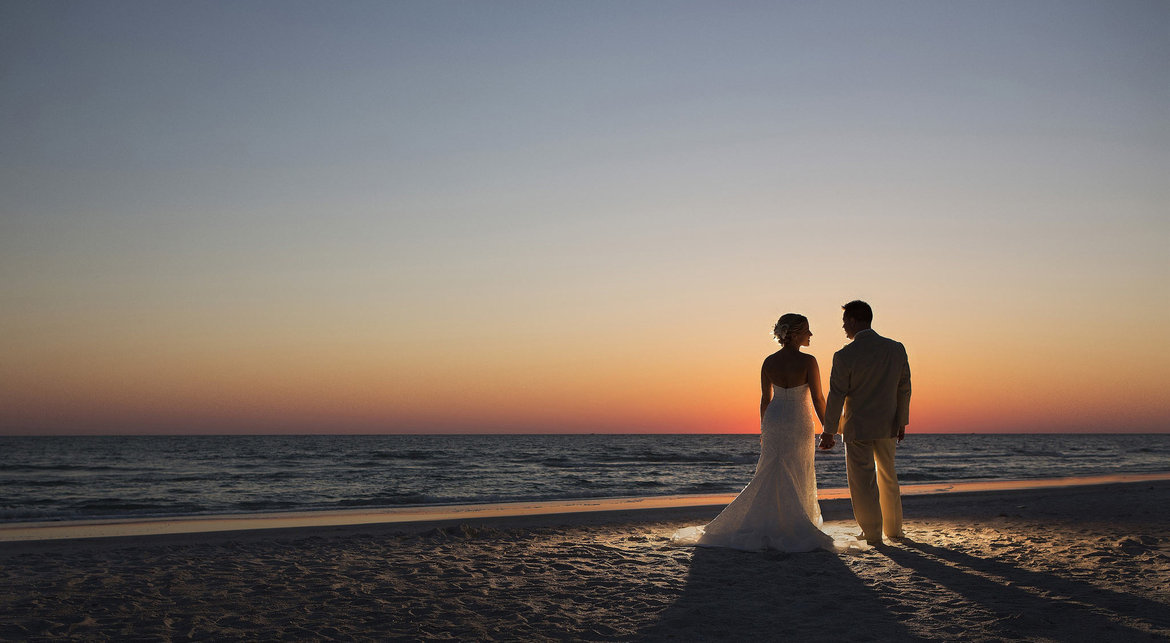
{"points": [[773, 358]]}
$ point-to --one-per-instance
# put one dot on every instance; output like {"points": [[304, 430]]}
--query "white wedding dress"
{"points": [[778, 509]]}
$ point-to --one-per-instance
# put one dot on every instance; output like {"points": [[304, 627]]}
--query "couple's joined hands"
{"points": [[827, 439]]}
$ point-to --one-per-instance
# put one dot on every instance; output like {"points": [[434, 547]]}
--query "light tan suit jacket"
{"points": [[869, 388]]}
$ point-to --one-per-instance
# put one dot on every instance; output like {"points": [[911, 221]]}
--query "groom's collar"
{"points": [[862, 332]]}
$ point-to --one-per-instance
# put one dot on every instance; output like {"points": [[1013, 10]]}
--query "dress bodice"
{"points": [[790, 393]]}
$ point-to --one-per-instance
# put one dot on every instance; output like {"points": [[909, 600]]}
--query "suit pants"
{"points": [[873, 487]]}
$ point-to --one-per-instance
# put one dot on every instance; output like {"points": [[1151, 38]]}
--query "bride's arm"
{"points": [[765, 392], [814, 388]]}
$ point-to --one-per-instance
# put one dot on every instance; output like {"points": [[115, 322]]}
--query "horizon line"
{"points": [[532, 433]]}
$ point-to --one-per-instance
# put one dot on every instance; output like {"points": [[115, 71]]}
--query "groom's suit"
{"points": [[869, 400]]}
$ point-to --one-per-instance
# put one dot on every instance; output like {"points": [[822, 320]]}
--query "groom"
{"points": [[871, 382]]}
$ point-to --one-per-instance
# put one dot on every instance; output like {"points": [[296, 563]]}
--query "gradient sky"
{"points": [[576, 216]]}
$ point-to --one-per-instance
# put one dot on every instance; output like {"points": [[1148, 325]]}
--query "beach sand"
{"points": [[1072, 563]]}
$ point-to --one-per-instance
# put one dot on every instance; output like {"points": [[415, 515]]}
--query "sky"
{"points": [[464, 217]]}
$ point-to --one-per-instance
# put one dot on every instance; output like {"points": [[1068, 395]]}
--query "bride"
{"points": [[778, 509]]}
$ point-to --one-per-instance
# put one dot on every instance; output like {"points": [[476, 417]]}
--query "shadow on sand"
{"points": [[768, 596], [1033, 605]]}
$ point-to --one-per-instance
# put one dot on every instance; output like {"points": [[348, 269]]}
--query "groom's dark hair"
{"points": [[859, 310]]}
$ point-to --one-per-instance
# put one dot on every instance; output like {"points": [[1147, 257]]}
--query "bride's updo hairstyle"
{"points": [[788, 322]]}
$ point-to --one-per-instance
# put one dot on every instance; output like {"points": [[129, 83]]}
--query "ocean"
{"points": [[70, 478]]}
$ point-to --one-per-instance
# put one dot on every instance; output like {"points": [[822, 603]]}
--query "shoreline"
{"points": [[432, 516]]}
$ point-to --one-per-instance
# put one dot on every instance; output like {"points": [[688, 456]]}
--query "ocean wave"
{"points": [[686, 458], [267, 475], [93, 509], [392, 500], [51, 478], [611, 461], [711, 487], [267, 505], [67, 467], [907, 454], [30, 514], [30, 482], [406, 455], [923, 476]]}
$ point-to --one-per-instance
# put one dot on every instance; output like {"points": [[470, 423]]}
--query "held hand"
{"points": [[827, 441]]}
